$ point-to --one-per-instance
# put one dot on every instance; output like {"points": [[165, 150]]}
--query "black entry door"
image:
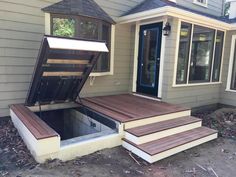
{"points": [[149, 58]]}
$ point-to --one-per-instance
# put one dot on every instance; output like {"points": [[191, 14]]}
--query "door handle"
{"points": [[158, 59]]}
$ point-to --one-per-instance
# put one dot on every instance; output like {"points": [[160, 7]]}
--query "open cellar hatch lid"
{"points": [[62, 68]]}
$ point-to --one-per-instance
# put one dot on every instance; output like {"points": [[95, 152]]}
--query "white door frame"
{"points": [[136, 51]]}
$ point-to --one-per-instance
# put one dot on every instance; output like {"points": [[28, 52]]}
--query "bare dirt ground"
{"points": [[216, 158]]}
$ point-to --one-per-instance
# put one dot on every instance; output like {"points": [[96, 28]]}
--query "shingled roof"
{"points": [[86, 8], [155, 4]]}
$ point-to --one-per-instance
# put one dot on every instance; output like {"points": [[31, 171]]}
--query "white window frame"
{"points": [[112, 53], [200, 3], [231, 62], [177, 54]]}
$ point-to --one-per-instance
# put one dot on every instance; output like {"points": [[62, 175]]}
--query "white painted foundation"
{"points": [[54, 148], [155, 119]]}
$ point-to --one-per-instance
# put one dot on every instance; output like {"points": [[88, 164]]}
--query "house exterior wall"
{"points": [[22, 25], [226, 97], [190, 96], [214, 7]]}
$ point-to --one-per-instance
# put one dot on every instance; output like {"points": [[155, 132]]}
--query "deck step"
{"points": [[150, 132], [165, 147]]}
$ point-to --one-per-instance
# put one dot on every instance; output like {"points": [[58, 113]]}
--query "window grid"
{"points": [[100, 25], [190, 53]]}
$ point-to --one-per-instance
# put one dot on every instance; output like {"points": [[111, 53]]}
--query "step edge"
{"points": [[199, 120], [133, 144], [147, 117], [166, 132]]}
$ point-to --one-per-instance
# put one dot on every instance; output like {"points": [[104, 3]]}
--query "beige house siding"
{"points": [[228, 98], [191, 96], [21, 30]]}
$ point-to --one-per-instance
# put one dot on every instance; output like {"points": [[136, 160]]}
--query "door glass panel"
{"points": [[149, 53]]}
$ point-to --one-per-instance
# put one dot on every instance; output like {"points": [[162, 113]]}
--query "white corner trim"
{"points": [[136, 50], [47, 23], [162, 58], [112, 57], [201, 4], [231, 62], [176, 51]]}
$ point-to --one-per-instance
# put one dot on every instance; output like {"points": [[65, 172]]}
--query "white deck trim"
{"points": [[167, 153], [231, 62], [161, 134]]}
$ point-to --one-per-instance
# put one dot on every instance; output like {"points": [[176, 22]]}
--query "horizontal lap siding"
{"points": [[192, 96], [21, 30], [120, 81], [214, 6], [228, 98]]}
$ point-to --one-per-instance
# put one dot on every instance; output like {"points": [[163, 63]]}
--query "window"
{"points": [[201, 2], [231, 84], [218, 56], [63, 27], [200, 54], [185, 36], [86, 28]]}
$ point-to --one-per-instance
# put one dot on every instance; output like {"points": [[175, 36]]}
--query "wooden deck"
{"points": [[170, 142], [127, 107], [38, 128]]}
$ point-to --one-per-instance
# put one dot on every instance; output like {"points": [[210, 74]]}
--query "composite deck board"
{"points": [[112, 114], [131, 107], [170, 142], [161, 126], [35, 125]]}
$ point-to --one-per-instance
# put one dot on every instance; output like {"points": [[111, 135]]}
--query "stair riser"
{"points": [[161, 134], [167, 153], [161, 118]]}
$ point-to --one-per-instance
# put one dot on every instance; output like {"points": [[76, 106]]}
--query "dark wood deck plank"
{"points": [[112, 114], [164, 144], [161, 126], [130, 106], [38, 128]]}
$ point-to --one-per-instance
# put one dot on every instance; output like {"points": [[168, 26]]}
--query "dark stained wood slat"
{"points": [[170, 142], [38, 128], [136, 105], [55, 74], [114, 107], [114, 115], [133, 107], [161, 126], [61, 61]]}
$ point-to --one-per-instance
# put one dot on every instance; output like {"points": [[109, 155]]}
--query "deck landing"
{"points": [[126, 107]]}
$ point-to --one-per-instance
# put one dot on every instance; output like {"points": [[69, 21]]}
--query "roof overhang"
{"points": [[233, 26], [178, 13]]}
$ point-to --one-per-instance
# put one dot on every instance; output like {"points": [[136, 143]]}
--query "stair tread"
{"points": [[161, 126], [164, 144]]}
